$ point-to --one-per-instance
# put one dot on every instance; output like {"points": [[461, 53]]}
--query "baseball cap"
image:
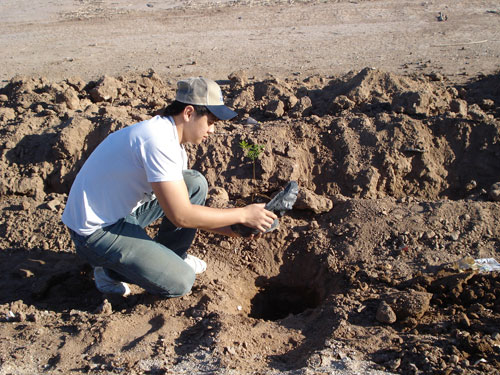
{"points": [[202, 91]]}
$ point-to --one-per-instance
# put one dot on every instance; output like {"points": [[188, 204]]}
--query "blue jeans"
{"points": [[128, 254]]}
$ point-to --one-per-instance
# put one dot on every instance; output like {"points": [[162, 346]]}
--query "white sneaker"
{"points": [[106, 284], [198, 265]]}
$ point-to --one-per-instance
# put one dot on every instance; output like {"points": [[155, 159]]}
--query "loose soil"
{"points": [[398, 168]]}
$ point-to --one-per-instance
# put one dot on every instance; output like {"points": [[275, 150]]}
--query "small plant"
{"points": [[252, 151]]}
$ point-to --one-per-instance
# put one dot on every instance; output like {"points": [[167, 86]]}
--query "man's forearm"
{"points": [[225, 231], [174, 200], [208, 218]]}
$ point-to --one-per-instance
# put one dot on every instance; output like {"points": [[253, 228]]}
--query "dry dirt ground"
{"points": [[387, 115]]}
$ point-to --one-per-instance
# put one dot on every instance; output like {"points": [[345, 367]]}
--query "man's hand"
{"points": [[282, 202], [258, 217]]}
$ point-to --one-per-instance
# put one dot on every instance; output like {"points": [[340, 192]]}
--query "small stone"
{"points": [[105, 308], [464, 320], [409, 304], [7, 114], [485, 104], [26, 205], [340, 355], [10, 316], [308, 200], [54, 204], [251, 121], [74, 312], [217, 197], [25, 273], [412, 103], [476, 113], [429, 234], [315, 119], [494, 192], [481, 360], [275, 109], [341, 103], [459, 106], [455, 235], [471, 185], [413, 369], [21, 316], [434, 76], [33, 317], [9, 145], [385, 314], [291, 101], [238, 79], [394, 364], [77, 83], [229, 350], [70, 98], [357, 189], [314, 224], [315, 360], [106, 89]]}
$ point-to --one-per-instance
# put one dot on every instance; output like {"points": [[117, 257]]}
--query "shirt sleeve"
{"points": [[162, 161]]}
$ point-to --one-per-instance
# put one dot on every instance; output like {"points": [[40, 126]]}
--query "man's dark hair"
{"points": [[177, 107]]}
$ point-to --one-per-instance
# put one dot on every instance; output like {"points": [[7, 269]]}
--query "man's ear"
{"points": [[188, 112]]}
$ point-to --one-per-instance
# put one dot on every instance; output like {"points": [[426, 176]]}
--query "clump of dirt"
{"points": [[399, 181]]}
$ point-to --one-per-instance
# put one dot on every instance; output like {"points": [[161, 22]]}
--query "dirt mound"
{"points": [[399, 180]]}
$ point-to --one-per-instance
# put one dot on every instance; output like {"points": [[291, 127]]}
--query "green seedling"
{"points": [[252, 151]]}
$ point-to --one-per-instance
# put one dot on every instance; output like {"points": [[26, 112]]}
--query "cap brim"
{"points": [[221, 112]]}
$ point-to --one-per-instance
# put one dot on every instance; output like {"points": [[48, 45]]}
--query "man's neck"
{"points": [[179, 124]]}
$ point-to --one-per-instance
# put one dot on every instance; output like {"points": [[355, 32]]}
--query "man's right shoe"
{"points": [[106, 284], [198, 265]]}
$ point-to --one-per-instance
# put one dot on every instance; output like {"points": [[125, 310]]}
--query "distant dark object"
{"points": [[442, 17]]}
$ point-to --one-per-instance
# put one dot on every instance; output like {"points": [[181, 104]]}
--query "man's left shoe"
{"points": [[198, 265], [106, 284]]}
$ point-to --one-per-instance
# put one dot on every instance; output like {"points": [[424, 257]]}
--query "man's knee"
{"points": [[197, 186], [182, 285]]}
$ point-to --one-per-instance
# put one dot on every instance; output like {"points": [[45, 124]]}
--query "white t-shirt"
{"points": [[117, 176]]}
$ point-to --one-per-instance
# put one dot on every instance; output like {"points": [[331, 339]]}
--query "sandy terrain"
{"points": [[386, 115], [91, 38]]}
